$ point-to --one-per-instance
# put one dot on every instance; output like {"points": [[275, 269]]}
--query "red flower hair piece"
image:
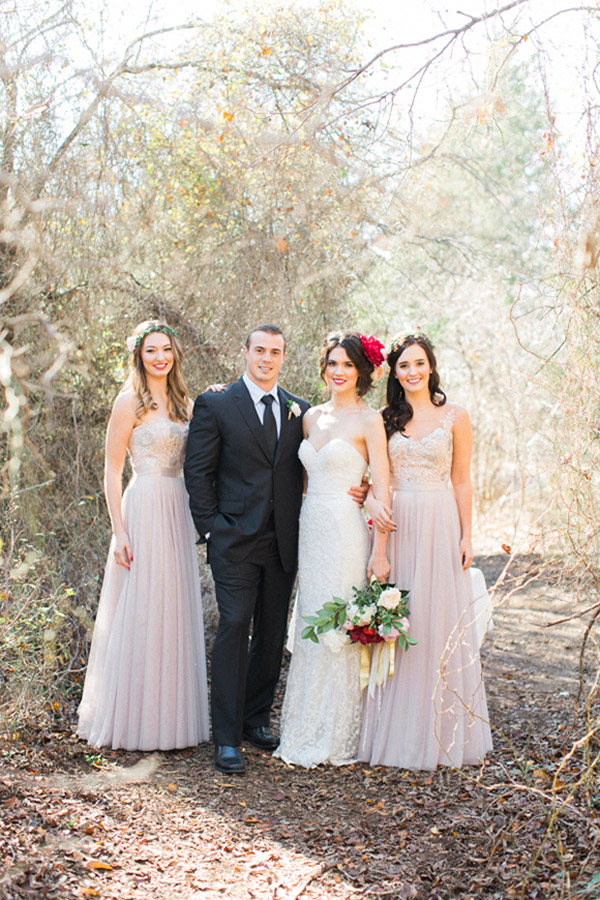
{"points": [[373, 349]]}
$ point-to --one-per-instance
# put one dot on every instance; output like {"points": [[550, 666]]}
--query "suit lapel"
{"points": [[285, 422], [246, 407]]}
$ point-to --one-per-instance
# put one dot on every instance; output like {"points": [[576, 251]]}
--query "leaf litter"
{"points": [[131, 826]]}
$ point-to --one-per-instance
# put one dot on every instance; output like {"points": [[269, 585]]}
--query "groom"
{"points": [[245, 484]]}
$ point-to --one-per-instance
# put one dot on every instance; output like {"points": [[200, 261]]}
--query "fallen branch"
{"points": [[316, 872]]}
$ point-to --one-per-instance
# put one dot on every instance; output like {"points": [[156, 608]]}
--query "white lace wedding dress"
{"points": [[320, 720]]}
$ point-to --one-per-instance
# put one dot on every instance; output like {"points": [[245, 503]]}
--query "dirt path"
{"points": [[78, 824]]}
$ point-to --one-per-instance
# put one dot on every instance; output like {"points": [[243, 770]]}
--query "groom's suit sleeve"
{"points": [[201, 464]]}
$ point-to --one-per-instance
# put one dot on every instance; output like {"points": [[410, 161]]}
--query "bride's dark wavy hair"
{"points": [[351, 343], [398, 412]]}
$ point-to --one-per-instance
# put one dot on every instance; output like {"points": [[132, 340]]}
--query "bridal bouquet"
{"points": [[377, 614]]}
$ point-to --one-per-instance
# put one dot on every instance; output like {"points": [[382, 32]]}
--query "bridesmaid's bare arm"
{"points": [[380, 513], [120, 426], [460, 475], [376, 442]]}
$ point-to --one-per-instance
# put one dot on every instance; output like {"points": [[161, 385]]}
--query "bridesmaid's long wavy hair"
{"points": [[398, 412], [177, 392], [350, 342]]}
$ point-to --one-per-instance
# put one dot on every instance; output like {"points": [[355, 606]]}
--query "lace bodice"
{"points": [[158, 446], [320, 720], [426, 460], [326, 473]]}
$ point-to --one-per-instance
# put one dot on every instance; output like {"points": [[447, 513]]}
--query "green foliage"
{"points": [[217, 195], [335, 613], [331, 615], [42, 635], [463, 247]]}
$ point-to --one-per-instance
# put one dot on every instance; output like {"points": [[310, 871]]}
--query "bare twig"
{"points": [[315, 872]]}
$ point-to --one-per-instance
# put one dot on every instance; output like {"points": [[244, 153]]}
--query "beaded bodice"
{"points": [[158, 444], [427, 460]]}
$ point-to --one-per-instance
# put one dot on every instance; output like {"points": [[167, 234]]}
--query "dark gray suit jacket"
{"points": [[233, 485]]}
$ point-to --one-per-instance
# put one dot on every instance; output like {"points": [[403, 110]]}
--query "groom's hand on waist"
{"points": [[359, 494]]}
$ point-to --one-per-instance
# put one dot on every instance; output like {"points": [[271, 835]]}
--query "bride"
{"points": [[321, 712]]}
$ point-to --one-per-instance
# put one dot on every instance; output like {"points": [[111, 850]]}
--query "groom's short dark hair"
{"points": [[270, 329]]}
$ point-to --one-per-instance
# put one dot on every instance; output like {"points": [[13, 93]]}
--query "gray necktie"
{"points": [[269, 425]]}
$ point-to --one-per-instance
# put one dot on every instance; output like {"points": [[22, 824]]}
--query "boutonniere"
{"points": [[293, 408]]}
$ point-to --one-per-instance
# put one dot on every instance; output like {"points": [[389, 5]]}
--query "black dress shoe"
{"points": [[262, 737], [229, 759]]}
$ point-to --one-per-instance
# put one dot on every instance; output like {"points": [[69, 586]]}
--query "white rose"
{"points": [[367, 614], [352, 611], [334, 640], [390, 598]]}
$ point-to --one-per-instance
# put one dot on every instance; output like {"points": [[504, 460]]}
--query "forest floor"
{"points": [[79, 823]]}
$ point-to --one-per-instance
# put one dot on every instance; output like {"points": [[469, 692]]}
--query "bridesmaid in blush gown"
{"points": [[320, 720], [145, 687], [433, 710]]}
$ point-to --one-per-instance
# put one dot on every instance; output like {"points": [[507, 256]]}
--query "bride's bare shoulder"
{"points": [[313, 413], [369, 414]]}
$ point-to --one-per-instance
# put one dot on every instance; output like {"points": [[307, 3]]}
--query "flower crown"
{"points": [[373, 349], [135, 340], [401, 338]]}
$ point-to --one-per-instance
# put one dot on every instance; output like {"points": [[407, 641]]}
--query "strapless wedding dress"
{"points": [[320, 721]]}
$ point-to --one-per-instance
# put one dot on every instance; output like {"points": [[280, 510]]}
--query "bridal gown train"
{"points": [[433, 710], [320, 719], [145, 687]]}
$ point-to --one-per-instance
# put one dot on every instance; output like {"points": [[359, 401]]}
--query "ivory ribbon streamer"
{"points": [[380, 664], [365, 666], [376, 664]]}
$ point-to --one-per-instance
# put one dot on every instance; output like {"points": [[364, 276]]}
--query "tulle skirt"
{"points": [[433, 710], [145, 687]]}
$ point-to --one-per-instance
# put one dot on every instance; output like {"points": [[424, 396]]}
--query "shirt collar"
{"points": [[256, 392]]}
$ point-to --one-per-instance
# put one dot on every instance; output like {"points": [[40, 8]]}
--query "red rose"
{"points": [[362, 635], [373, 349]]}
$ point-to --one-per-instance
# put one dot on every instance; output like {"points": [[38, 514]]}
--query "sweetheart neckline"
{"points": [[341, 440], [161, 419]]}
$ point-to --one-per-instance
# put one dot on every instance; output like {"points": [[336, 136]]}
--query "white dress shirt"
{"points": [[257, 393]]}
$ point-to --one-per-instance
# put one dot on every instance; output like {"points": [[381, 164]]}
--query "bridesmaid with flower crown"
{"points": [[145, 687], [433, 711]]}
